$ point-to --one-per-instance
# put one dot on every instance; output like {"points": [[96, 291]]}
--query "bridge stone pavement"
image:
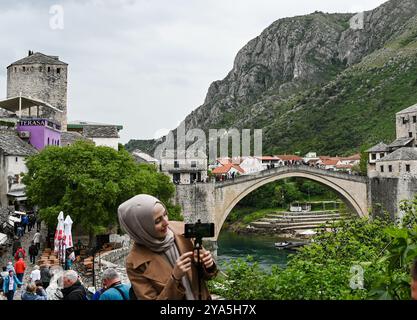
{"points": [[212, 202]]}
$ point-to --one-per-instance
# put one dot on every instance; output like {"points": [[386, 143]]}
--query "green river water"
{"points": [[261, 248]]}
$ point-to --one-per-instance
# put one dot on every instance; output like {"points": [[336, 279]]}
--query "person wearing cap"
{"points": [[161, 263], [9, 285]]}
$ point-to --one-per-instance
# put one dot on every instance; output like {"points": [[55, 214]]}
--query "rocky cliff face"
{"points": [[291, 57]]}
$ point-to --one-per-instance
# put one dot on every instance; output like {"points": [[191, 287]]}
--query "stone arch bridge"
{"points": [[212, 202]]}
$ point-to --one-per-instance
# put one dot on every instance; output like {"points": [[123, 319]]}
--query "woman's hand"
{"points": [[205, 258], [182, 266]]}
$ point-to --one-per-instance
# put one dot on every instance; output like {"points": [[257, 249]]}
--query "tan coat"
{"points": [[150, 273]]}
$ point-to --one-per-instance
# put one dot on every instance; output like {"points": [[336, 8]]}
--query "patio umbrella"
{"points": [[59, 236], [67, 234]]}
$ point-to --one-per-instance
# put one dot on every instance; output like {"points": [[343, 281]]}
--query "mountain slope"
{"points": [[313, 83]]}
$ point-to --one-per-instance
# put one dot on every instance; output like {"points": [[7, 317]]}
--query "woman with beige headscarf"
{"points": [[161, 263]]}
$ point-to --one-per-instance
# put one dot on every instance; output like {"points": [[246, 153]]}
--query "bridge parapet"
{"points": [[290, 169]]}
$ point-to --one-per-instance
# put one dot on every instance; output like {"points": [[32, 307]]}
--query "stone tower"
{"points": [[41, 77]]}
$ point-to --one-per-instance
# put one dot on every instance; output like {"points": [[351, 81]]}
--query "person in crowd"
{"points": [[37, 239], [38, 222], [161, 263], [73, 289], [114, 288], [10, 267], [24, 222], [20, 253], [33, 252], [3, 275], [16, 244], [414, 280], [20, 231], [69, 258], [35, 275], [9, 285], [32, 221], [20, 267], [30, 293], [45, 275]]}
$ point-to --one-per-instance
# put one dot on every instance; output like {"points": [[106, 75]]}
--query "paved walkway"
{"points": [[26, 242]]}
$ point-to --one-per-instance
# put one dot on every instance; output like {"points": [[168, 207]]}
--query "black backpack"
{"points": [[132, 295]]}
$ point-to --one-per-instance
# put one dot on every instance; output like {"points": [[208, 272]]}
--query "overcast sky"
{"points": [[144, 64]]}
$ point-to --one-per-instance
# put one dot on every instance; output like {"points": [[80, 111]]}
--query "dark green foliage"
{"points": [[89, 183]]}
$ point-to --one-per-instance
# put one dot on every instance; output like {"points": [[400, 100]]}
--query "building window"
{"points": [[410, 134], [48, 141], [176, 164], [390, 168], [414, 119], [40, 69], [17, 159], [382, 168], [58, 70], [407, 168], [49, 69], [24, 69], [373, 156], [193, 164], [404, 120], [15, 69]]}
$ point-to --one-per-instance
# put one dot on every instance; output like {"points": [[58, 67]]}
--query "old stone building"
{"points": [[42, 77], [392, 168]]}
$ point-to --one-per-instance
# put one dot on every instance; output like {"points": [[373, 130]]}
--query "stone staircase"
{"points": [[287, 222]]}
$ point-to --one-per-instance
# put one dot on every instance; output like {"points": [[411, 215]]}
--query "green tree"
{"points": [[89, 183]]}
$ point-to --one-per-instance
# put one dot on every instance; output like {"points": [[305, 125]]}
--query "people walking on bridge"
{"points": [[10, 284], [160, 263], [46, 275]]}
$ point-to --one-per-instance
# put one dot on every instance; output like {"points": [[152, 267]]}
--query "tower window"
{"points": [[58, 70], [176, 164], [407, 168], [17, 159], [193, 164], [382, 168]]}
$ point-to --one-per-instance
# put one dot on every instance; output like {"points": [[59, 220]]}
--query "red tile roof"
{"points": [[330, 162], [289, 157]]}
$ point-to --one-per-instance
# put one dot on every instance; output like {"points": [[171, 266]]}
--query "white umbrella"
{"points": [[59, 235], [67, 232], [68, 235]]}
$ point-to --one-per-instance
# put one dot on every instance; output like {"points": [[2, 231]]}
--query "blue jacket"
{"points": [[32, 296], [6, 282], [114, 294]]}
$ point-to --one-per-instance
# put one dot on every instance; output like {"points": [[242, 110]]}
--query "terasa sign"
{"points": [[32, 123]]}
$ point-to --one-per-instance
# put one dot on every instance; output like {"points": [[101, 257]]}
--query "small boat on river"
{"points": [[289, 245]]}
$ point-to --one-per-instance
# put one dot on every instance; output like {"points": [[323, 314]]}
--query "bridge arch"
{"points": [[345, 193]]}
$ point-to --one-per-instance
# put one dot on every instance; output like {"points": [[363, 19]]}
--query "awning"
{"points": [[14, 219], [17, 193], [21, 103]]}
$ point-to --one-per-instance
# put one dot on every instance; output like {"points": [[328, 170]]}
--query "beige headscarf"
{"points": [[136, 219]]}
